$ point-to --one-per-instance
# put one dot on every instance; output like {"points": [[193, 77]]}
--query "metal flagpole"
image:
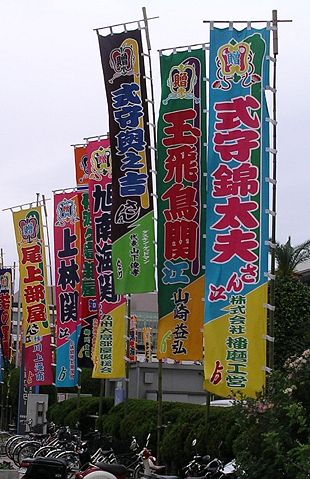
{"points": [[153, 125], [128, 313], [274, 192], [7, 419]]}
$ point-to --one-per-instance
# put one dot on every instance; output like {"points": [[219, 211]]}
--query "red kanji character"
{"points": [[182, 202], [32, 254], [181, 164], [181, 132], [217, 375], [235, 243], [37, 312], [5, 300], [236, 144], [237, 111], [181, 240], [234, 283], [34, 274], [217, 293], [34, 293], [240, 181], [236, 213], [249, 273], [180, 79]]}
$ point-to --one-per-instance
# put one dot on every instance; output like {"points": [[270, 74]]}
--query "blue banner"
{"points": [[237, 220]]}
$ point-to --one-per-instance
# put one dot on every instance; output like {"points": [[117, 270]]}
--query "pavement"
{"points": [[20, 471]]}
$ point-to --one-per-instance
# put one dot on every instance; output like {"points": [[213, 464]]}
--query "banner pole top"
{"points": [[204, 45], [65, 190], [110, 27], [78, 145], [97, 137], [229, 22], [30, 205], [275, 32]]}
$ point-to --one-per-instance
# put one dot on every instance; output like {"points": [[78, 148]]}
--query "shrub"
{"points": [[68, 413], [184, 423], [275, 428]]}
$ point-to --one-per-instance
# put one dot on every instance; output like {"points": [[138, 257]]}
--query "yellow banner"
{"points": [[110, 347], [35, 302], [236, 365], [173, 341]]}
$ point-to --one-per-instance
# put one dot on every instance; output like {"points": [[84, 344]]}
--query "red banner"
{"points": [[110, 304], [88, 301], [5, 311], [67, 241], [133, 338]]}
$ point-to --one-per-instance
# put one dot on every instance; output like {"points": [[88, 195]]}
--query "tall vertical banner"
{"points": [[1, 365], [67, 242], [110, 347], [148, 343], [88, 301], [6, 311], [237, 220], [181, 165], [35, 301], [132, 209], [133, 331]]}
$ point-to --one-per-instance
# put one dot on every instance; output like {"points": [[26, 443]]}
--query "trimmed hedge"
{"points": [[214, 432], [67, 413]]}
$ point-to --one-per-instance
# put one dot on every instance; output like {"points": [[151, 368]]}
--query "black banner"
{"points": [[132, 206]]}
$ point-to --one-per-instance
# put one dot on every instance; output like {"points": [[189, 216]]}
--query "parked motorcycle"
{"points": [[47, 468], [134, 469]]}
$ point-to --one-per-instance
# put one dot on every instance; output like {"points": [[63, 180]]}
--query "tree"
{"points": [[291, 318], [275, 428], [292, 302], [288, 257]]}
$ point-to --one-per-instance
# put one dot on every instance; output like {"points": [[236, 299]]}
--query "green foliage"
{"points": [[184, 423], [6, 465], [288, 257], [275, 428], [292, 318], [78, 413], [88, 386]]}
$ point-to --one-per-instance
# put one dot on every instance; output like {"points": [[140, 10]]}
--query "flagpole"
{"points": [[128, 313], [274, 191], [153, 124]]}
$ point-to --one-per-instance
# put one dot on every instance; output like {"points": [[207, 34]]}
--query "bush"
{"points": [[184, 423], [275, 428], [68, 413]]}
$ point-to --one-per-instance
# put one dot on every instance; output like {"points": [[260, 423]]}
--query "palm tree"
{"points": [[288, 257]]}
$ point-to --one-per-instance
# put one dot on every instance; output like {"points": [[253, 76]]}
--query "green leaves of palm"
{"points": [[288, 257]]}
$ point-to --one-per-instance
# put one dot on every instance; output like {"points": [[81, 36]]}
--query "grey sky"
{"points": [[52, 91]]}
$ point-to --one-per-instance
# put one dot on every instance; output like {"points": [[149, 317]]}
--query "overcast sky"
{"points": [[52, 91]]}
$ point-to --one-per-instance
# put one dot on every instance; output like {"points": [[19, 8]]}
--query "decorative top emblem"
{"points": [[234, 64], [122, 61], [66, 212], [100, 164], [181, 81], [4, 281], [29, 228], [84, 168]]}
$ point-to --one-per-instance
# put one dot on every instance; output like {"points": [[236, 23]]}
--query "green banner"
{"points": [[181, 198]]}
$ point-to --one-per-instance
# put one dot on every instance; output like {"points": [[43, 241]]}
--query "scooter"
{"points": [[103, 470]]}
